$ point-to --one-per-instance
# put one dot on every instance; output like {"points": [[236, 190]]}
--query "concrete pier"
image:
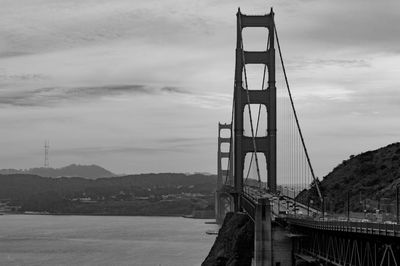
{"points": [[263, 234]]}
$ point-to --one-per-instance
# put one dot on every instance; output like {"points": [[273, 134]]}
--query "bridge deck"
{"points": [[350, 227], [251, 196]]}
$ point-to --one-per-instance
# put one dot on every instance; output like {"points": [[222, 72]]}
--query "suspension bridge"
{"points": [[265, 171]]}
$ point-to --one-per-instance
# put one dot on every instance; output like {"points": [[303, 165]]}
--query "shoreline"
{"points": [[186, 216]]}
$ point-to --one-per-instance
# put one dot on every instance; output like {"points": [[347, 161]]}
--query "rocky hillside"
{"points": [[369, 177], [234, 245]]}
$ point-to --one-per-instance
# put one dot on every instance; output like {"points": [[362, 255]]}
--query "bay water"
{"points": [[103, 240]]}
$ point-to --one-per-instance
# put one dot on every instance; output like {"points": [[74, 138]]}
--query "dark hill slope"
{"points": [[116, 195], [22, 186], [371, 175]]}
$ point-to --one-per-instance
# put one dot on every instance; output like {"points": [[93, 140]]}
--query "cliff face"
{"points": [[234, 245]]}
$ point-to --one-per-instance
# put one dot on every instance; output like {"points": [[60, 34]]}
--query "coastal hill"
{"points": [[87, 171], [169, 194], [368, 178]]}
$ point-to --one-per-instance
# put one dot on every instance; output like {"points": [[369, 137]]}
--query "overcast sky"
{"points": [[139, 86]]}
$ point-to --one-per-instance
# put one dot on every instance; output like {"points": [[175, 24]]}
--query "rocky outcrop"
{"points": [[234, 245]]}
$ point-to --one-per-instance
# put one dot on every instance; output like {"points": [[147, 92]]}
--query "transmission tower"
{"points": [[46, 153]]}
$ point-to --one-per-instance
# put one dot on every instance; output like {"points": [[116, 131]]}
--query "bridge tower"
{"points": [[259, 208], [223, 200], [243, 96], [263, 253]]}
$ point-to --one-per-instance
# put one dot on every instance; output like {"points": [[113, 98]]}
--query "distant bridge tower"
{"points": [[46, 153], [223, 200]]}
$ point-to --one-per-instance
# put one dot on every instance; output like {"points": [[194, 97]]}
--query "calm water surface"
{"points": [[103, 240]]}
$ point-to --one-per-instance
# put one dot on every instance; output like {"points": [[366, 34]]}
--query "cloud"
{"points": [[170, 66], [164, 145], [22, 77], [174, 90], [53, 26], [107, 90], [82, 151], [307, 63], [177, 140], [362, 26], [7, 54], [56, 95]]}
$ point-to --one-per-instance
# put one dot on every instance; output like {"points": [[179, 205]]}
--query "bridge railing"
{"points": [[348, 226], [252, 193]]}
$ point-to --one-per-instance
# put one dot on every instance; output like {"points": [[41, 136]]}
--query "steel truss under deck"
{"points": [[343, 248]]}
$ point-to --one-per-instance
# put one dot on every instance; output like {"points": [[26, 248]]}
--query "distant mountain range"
{"points": [[73, 170]]}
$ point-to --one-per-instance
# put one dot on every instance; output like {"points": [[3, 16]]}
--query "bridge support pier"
{"points": [[263, 233], [223, 205], [218, 215]]}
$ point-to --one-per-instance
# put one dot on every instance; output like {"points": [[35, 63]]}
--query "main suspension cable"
{"points": [[295, 116]]}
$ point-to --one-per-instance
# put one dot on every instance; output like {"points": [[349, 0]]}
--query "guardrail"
{"points": [[348, 226], [252, 193], [256, 193]]}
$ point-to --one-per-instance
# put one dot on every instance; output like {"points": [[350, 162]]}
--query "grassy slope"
{"points": [[373, 173]]}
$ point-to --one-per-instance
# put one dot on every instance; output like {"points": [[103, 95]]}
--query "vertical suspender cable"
{"points": [[295, 116], [259, 113]]}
